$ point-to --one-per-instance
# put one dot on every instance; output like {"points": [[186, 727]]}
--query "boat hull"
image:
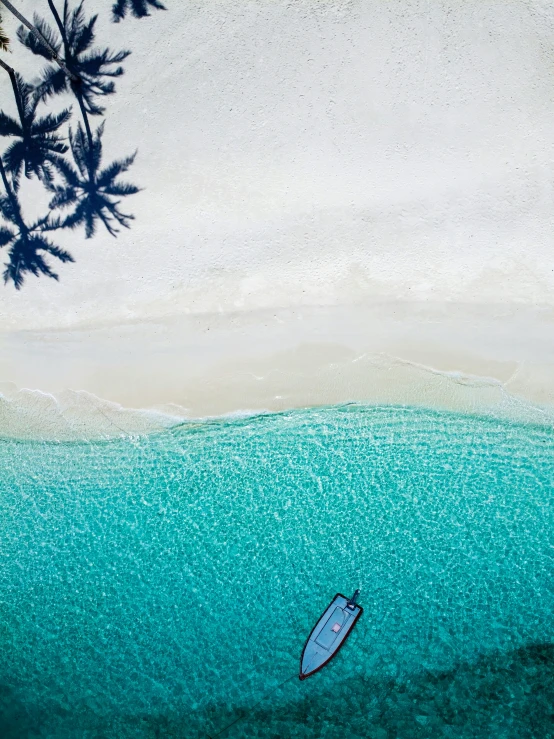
{"points": [[328, 635]]}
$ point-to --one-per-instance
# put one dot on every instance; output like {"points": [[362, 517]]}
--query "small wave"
{"points": [[373, 379]]}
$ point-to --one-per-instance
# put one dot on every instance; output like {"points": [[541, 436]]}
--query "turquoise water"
{"points": [[158, 586]]}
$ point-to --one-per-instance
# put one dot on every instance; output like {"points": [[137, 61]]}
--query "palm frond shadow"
{"points": [[92, 193], [27, 244], [38, 147], [83, 191], [93, 69], [137, 8], [4, 39]]}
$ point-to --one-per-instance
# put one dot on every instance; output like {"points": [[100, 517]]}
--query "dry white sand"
{"points": [[342, 201]]}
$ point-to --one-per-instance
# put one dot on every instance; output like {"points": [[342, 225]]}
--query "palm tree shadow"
{"points": [[92, 193], [27, 244], [38, 146], [83, 191], [138, 8], [93, 69]]}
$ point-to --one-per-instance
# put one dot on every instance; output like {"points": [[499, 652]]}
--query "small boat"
{"points": [[329, 633]]}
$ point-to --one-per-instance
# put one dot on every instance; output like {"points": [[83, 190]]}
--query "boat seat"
{"points": [[332, 628]]}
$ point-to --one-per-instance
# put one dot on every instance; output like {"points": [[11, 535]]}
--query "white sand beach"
{"points": [[341, 201]]}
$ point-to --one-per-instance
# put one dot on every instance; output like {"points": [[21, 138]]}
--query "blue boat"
{"points": [[329, 633]]}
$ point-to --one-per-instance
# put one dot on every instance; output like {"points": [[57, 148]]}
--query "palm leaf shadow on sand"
{"points": [[38, 146], [90, 191], [27, 244], [4, 39], [93, 69], [82, 190], [137, 8]]}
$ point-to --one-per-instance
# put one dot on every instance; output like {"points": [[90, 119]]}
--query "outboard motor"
{"points": [[352, 602]]}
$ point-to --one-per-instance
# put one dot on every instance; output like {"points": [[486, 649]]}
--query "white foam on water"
{"points": [[374, 379]]}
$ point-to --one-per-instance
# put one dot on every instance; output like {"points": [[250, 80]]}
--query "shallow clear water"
{"points": [[158, 586]]}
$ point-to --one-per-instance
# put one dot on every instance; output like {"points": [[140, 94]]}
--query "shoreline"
{"points": [[136, 378], [359, 212]]}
